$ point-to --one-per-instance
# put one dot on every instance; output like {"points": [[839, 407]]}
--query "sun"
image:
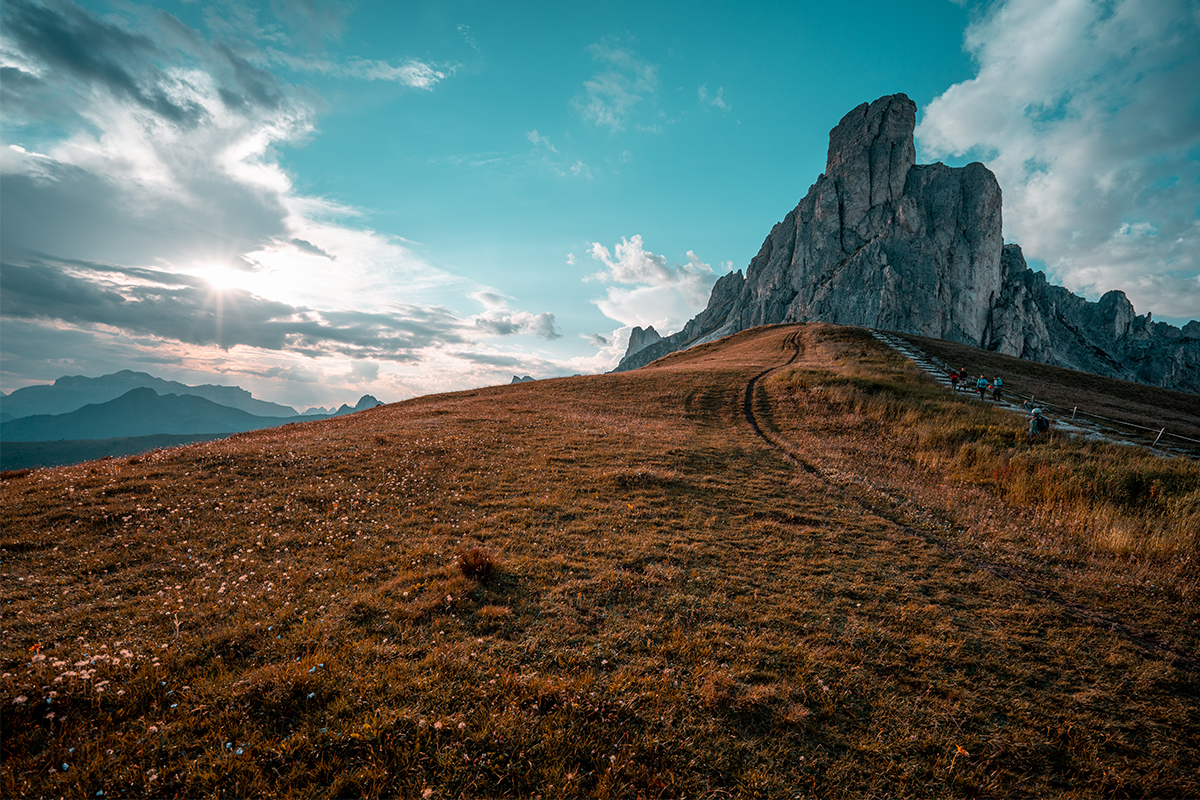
{"points": [[225, 279]]}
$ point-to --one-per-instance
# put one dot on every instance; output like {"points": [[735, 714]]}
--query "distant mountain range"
{"points": [[72, 392], [143, 415]]}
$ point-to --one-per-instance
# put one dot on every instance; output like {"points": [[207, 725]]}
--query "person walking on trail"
{"points": [[997, 388], [981, 386], [1038, 424], [962, 376], [953, 381]]}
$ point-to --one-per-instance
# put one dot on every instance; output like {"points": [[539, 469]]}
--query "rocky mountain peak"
{"points": [[883, 242], [639, 339], [870, 153]]}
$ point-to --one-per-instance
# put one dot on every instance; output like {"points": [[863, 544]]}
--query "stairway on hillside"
{"points": [[1064, 421]]}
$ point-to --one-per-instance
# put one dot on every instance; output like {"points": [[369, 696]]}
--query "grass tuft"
{"points": [[477, 564]]}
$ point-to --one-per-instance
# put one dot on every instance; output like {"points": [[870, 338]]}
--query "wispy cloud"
{"points": [[465, 32], [561, 165], [540, 141], [1089, 113], [715, 101], [624, 83], [410, 72]]}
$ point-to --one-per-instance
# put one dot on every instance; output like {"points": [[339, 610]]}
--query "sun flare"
{"points": [[222, 278]]}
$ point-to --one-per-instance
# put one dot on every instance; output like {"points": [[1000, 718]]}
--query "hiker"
{"points": [[997, 388], [981, 386], [1038, 424], [962, 376], [953, 380]]}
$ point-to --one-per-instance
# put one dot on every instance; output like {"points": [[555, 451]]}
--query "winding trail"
{"points": [[844, 489]]}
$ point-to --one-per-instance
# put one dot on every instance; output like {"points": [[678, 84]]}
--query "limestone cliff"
{"points": [[883, 242], [640, 339], [1039, 321]]}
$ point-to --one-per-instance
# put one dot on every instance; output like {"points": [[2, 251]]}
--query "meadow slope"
{"points": [[781, 564]]}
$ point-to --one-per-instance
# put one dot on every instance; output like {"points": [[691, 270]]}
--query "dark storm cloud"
{"points": [[256, 84], [77, 46], [78, 212], [186, 309], [70, 41]]}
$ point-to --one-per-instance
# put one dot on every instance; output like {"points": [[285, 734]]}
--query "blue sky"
{"points": [[318, 200]]}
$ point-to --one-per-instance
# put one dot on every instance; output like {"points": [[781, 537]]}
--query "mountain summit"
{"points": [[883, 242]]}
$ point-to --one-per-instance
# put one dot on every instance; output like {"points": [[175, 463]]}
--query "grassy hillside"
{"points": [[1147, 406], [784, 563]]}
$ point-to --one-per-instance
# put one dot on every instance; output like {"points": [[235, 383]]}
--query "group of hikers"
{"points": [[982, 385], [1038, 424]]}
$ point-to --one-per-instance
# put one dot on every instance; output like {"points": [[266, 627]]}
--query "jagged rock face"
{"points": [[882, 242], [639, 339], [1036, 320]]}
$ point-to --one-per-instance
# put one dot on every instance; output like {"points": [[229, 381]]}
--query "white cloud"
{"points": [[656, 292], [499, 320], [625, 82], [1089, 114]]}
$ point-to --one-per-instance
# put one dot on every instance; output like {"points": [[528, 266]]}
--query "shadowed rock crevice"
{"points": [[883, 242]]}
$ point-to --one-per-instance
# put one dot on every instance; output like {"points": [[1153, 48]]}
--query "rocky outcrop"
{"points": [[883, 242], [639, 339], [519, 379], [1037, 320]]}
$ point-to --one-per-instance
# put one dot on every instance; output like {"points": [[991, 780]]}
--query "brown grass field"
{"points": [[784, 564]]}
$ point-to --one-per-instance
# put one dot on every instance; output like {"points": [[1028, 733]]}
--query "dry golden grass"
{"points": [[853, 603]]}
